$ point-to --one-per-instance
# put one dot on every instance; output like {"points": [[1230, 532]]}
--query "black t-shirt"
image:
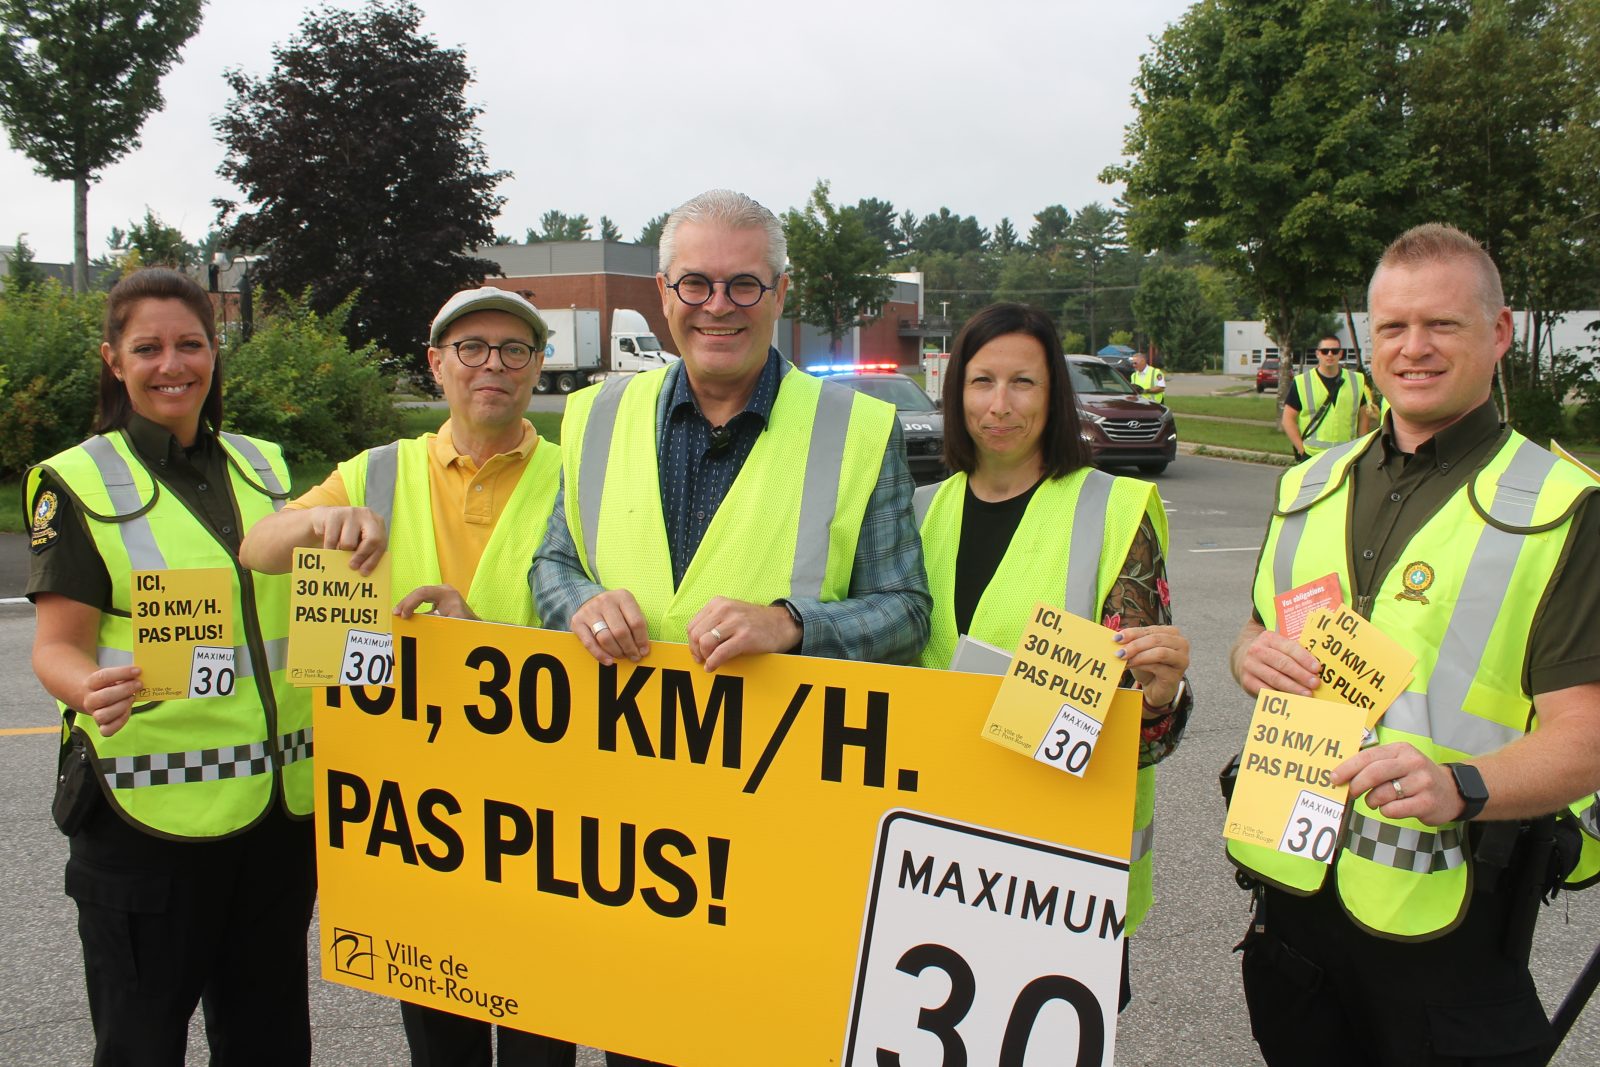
{"points": [[986, 532], [1333, 386]]}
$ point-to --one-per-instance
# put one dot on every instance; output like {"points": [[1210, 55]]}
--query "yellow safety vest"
{"points": [[1146, 380], [787, 528], [1095, 517], [1463, 599], [192, 768], [397, 472], [1341, 422]]}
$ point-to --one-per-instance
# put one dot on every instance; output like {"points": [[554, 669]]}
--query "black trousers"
{"points": [[442, 1039], [166, 925], [1324, 993]]}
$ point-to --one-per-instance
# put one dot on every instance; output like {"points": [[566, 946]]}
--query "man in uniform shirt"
{"points": [[1148, 381], [1326, 405], [732, 502], [1411, 947], [461, 511]]}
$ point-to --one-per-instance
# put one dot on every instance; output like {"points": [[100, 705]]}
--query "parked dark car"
{"points": [[1121, 427], [921, 423]]}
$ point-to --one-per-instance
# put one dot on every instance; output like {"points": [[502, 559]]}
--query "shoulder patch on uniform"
{"points": [[45, 510]]}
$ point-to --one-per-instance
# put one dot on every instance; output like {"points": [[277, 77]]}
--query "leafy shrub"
{"points": [[1537, 415], [49, 364], [298, 383]]}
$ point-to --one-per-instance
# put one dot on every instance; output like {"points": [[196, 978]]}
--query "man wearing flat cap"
{"points": [[462, 511]]}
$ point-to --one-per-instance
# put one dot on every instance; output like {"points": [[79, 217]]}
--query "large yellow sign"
{"points": [[713, 869]]}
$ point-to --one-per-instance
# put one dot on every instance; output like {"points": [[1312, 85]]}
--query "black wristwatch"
{"points": [[1469, 783], [794, 614]]}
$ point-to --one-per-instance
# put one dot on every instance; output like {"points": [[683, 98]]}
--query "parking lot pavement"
{"points": [[1187, 1006]]}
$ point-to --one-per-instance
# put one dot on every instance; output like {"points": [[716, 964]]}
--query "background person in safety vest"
{"points": [[1341, 390], [1027, 518], [191, 856], [462, 509], [732, 501], [1412, 947], [1148, 381]]}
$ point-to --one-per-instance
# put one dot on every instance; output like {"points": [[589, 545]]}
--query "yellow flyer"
{"points": [[1361, 665], [183, 633], [339, 621], [1057, 690], [1283, 798], [783, 839], [1575, 461]]}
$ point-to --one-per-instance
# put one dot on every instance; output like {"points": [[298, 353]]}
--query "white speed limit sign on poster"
{"points": [[982, 947]]}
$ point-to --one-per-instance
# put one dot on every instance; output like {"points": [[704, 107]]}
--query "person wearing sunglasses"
{"points": [[1327, 404], [461, 510]]}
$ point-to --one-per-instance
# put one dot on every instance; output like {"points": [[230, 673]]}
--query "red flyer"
{"points": [[1302, 600]]}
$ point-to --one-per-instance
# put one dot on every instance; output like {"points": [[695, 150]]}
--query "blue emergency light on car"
{"points": [[826, 369]]}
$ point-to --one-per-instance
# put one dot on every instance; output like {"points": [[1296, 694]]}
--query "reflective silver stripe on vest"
{"points": [[1401, 847], [1143, 841], [1088, 535], [383, 467], [819, 495], [243, 666], [171, 768], [1293, 527], [1438, 713], [137, 537], [258, 462], [296, 746], [922, 499], [591, 472], [1589, 818]]}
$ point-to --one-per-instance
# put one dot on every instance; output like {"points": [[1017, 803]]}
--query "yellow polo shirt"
{"points": [[467, 499]]}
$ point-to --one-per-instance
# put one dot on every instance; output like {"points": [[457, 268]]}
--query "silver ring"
{"points": [[1399, 790], [716, 634], [598, 628]]}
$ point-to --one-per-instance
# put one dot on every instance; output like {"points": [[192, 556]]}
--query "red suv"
{"points": [[1121, 427]]}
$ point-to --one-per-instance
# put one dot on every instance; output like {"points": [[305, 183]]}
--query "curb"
{"points": [[1238, 455]]}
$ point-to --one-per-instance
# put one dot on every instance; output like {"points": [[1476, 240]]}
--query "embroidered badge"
{"points": [[1417, 578], [44, 515]]}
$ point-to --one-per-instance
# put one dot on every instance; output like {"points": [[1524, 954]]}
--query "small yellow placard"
{"points": [[183, 633], [339, 621], [1361, 665], [1283, 798], [1057, 690]]}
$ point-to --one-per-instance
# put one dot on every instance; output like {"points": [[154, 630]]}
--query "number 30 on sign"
{"points": [[979, 946]]}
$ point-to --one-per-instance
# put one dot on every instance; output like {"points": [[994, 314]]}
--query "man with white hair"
{"points": [[1473, 548], [731, 501]]}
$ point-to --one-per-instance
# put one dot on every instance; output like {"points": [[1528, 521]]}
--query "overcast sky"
{"points": [[624, 108]]}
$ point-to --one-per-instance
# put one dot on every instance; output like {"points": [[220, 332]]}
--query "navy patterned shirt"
{"points": [[885, 618]]}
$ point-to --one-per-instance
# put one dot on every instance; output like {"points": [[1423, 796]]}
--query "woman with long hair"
{"points": [[191, 858]]}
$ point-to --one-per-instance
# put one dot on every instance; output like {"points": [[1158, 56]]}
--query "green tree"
{"points": [[1050, 230], [158, 244], [650, 234], [1005, 238], [77, 80], [22, 272], [559, 226], [1174, 313], [608, 230], [1267, 134], [1093, 241], [838, 265], [944, 231], [50, 362], [363, 161], [879, 218]]}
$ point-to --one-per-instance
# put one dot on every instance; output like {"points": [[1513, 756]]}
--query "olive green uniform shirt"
{"points": [[1393, 494]]}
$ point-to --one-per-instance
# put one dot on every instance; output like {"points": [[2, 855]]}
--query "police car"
{"points": [[921, 423]]}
